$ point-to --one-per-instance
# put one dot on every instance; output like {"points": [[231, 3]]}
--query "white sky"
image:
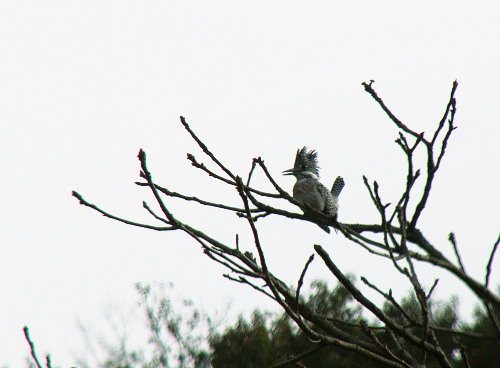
{"points": [[84, 85]]}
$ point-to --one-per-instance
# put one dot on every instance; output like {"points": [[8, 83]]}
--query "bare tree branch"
{"points": [[438, 353], [433, 166], [453, 242], [490, 261], [390, 299], [368, 88], [206, 150], [32, 347], [301, 278], [428, 296], [401, 355], [194, 199], [243, 280], [104, 213], [47, 361], [396, 237]]}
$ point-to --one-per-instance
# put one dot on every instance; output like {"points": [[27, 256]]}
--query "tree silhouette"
{"points": [[277, 341], [411, 337], [266, 339]]}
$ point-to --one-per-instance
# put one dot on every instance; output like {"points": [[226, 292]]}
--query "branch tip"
{"points": [[32, 346], [77, 196], [183, 121]]}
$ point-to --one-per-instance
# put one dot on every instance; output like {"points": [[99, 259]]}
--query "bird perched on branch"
{"points": [[309, 190]]}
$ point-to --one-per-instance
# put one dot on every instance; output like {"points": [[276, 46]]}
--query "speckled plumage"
{"points": [[337, 187], [309, 190]]}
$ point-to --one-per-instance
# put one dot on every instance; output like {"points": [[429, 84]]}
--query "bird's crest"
{"points": [[307, 161]]}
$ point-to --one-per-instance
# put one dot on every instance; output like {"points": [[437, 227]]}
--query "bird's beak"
{"points": [[289, 172]]}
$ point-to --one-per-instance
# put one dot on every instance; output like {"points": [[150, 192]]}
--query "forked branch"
{"points": [[395, 238]]}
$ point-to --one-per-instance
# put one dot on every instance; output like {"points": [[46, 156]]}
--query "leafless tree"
{"points": [[396, 237]]}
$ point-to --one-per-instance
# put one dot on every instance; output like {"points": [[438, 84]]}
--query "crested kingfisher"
{"points": [[309, 190]]}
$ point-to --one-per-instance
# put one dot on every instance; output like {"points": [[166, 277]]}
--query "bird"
{"points": [[309, 190]]}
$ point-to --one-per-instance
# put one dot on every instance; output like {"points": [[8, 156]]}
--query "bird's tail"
{"points": [[337, 186]]}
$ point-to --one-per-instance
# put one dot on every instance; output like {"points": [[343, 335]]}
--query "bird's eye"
{"points": [[304, 167]]}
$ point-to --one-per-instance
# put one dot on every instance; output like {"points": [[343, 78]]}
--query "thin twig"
{"points": [[227, 181], [411, 176], [384, 347], [453, 242], [206, 150], [152, 213], [451, 128], [48, 362], [277, 211], [202, 166], [282, 193], [445, 115], [229, 263], [243, 280], [301, 279], [390, 298], [490, 261], [482, 292], [401, 350], [433, 166], [192, 198], [254, 164], [432, 289], [414, 236], [104, 213], [368, 88], [388, 233], [376, 202], [350, 234], [32, 346], [256, 217]]}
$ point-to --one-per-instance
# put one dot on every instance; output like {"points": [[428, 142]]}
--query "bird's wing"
{"points": [[330, 203]]}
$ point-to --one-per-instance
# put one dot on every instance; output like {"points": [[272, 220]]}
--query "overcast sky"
{"points": [[84, 85]]}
